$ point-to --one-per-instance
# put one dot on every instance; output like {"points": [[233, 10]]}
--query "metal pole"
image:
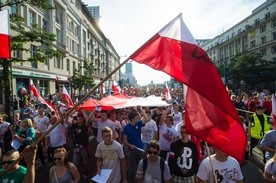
{"points": [[67, 113]]}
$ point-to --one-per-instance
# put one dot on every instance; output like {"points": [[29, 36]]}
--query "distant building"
{"points": [[128, 78], [78, 38], [255, 33], [95, 12]]}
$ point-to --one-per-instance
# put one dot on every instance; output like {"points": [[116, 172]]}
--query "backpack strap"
{"points": [[162, 167], [145, 164]]}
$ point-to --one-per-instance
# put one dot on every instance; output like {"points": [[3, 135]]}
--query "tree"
{"points": [[43, 41], [85, 80], [251, 68]]}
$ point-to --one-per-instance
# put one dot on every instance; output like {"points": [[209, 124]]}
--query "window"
{"points": [[257, 21], [58, 63], [267, 15], [44, 25], [263, 40], [74, 66], [14, 7], [263, 52], [68, 65], [252, 44], [273, 23], [273, 49], [262, 28], [43, 87], [273, 36], [31, 18]]}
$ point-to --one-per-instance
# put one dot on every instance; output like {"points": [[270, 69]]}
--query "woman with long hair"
{"points": [[25, 134], [63, 171]]}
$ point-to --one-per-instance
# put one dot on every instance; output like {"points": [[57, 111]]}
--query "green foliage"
{"points": [[251, 68], [86, 81], [24, 36]]}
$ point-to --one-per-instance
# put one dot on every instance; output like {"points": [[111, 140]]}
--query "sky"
{"points": [[128, 24]]}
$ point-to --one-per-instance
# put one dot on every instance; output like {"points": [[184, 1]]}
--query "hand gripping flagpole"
{"points": [[211, 162], [68, 113]]}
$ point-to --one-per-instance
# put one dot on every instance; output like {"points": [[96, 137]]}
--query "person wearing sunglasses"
{"points": [[63, 171], [153, 171], [17, 173]]}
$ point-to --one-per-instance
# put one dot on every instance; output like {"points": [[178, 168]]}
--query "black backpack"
{"points": [[162, 166]]}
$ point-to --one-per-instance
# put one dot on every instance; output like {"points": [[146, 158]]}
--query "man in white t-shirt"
{"points": [[110, 155], [149, 131], [226, 168], [177, 116], [167, 134], [103, 122], [56, 138], [41, 121]]}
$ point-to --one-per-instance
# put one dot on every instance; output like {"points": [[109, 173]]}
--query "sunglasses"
{"points": [[153, 152], [59, 159], [6, 162]]}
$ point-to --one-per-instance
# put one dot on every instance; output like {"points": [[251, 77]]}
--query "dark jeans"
{"points": [[133, 160]]}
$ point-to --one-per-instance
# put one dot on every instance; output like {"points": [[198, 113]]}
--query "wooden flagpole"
{"points": [[211, 162], [69, 112]]}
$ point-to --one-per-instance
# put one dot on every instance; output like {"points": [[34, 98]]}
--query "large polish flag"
{"points": [[167, 93], [274, 110], [66, 99], [115, 87], [5, 42], [210, 115], [35, 92]]}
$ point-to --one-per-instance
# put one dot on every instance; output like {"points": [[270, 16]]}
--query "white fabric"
{"points": [[177, 29], [177, 118], [166, 136], [227, 172], [147, 131], [111, 155], [57, 135], [101, 125], [5, 22], [42, 123]]}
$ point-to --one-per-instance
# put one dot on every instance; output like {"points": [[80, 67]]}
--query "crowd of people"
{"points": [[139, 144]]}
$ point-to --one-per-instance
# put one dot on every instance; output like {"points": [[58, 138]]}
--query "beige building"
{"points": [[78, 38], [255, 33]]}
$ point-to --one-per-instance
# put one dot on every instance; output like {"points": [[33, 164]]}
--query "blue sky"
{"points": [[130, 23]]}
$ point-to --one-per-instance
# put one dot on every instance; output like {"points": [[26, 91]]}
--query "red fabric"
{"points": [[38, 96], [91, 104], [66, 99], [167, 93], [5, 51], [5, 42], [210, 114]]}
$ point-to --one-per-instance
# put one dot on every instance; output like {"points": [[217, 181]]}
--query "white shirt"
{"points": [[42, 123], [147, 131]]}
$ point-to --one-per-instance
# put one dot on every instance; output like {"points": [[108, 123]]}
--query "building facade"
{"points": [[255, 33], [78, 38]]}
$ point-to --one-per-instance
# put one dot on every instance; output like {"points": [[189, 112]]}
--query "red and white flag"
{"points": [[66, 99], [210, 115], [35, 92], [167, 93], [5, 41], [274, 110], [115, 87]]}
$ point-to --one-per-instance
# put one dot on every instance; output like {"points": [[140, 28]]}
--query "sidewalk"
{"points": [[253, 170]]}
